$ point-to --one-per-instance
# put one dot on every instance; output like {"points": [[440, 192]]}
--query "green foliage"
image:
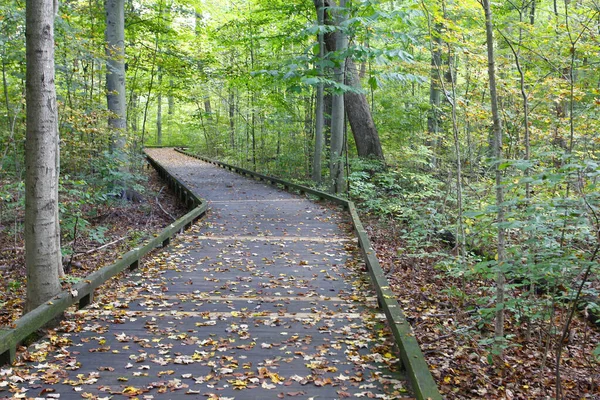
{"points": [[71, 279], [14, 285], [404, 195], [113, 174]]}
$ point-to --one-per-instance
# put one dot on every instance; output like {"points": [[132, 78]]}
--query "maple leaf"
{"points": [[132, 391]]}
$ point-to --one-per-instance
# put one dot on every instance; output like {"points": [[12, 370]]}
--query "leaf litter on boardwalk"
{"points": [[161, 342]]}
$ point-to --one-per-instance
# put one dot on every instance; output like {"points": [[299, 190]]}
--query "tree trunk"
{"points": [[42, 231], [497, 129], [328, 107], [159, 109], [232, 118], [115, 71], [208, 108], [320, 109], [359, 115], [337, 113], [433, 119], [171, 97], [134, 108], [356, 105]]}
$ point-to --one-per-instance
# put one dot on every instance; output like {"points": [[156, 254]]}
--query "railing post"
{"points": [[134, 265], [8, 356]]}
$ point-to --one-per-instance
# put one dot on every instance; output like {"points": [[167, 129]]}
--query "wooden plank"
{"points": [[293, 239]]}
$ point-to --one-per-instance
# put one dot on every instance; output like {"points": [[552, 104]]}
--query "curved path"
{"points": [[263, 299]]}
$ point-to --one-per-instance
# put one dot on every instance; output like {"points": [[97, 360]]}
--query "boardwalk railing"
{"points": [[82, 293], [420, 377]]}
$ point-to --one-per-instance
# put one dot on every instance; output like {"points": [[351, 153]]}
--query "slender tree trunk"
{"points": [[159, 109], [253, 133], [134, 107], [317, 166], [252, 100], [115, 71], [152, 73], [328, 107], [497, 129], [204, 131], [337, 113], [42, 231], [171, 97], [5, 89], [232, 118], [208, 108], [433, 119]]}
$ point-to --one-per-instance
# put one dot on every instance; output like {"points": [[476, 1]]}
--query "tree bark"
{"points": [[171, 97], [115, 71], [232, 118], [497, 129], [42, 230], [433, 119], [159, 109], [328, 106], [356, 105], [320, 109], [359, 115], [337, 113], [208, 108]]}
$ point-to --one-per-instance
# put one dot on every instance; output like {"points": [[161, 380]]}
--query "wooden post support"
{"points": [[166, 242], [134, 265], [8, 356], [86, 300]]}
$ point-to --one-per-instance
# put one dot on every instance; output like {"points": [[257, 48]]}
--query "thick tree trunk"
{"points": [[115, 71], [336, 165], [42, 231], [320, 109], [359, 115], [356, 105]]}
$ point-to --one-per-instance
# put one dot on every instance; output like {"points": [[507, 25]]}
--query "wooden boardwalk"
{"points": [[262, 299]]}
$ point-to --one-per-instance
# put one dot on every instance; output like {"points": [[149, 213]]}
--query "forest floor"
{"points": [[453, 340], [126, 223]]}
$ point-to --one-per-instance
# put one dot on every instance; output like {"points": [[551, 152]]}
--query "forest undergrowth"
{"points": [[450, 302], [444, 315], [105, 230]]}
